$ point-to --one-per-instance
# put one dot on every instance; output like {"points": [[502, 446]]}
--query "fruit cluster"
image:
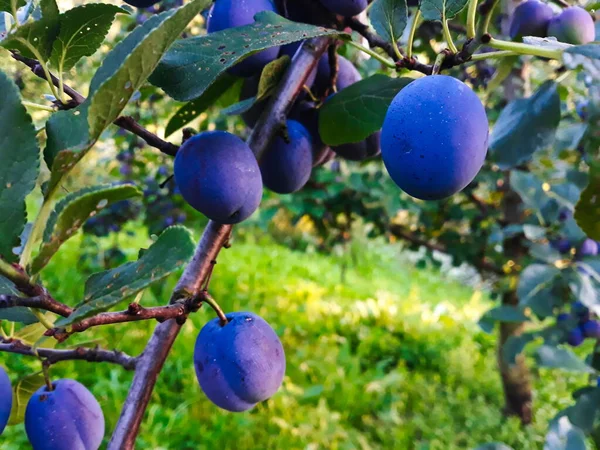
{"points": [[574, 25], [584, 328]]}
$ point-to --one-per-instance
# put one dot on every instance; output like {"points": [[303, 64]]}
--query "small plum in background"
{"points": [[438, 151], [359, 151], [286, 166], [66, 418], [589, 247], [307, 114], [530, 18], [575, 337], [574, 26], [591, 329], [218, 175], [347, 75], [239, 364], [5, 399], [226, 14]]}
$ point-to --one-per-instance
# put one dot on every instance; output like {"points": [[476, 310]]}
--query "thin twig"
{"points": [[373, 39], [44, 301]]}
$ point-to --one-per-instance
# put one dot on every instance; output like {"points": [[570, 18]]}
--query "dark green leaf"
{"points": [[19, 165], [22, 392], [193, 109], [587, 211], [535, 288], [588, 50], [193, 64], [82, 31], [584, 413], [502, 313], [563, 435], [441, 9], [526, 126], [585, 289], [239, 107], [560, 358], [359, 110], [531, 190], [389, 18], [169, 253], [72, 211]]}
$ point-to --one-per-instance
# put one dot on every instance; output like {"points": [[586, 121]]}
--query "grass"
{"points": [[390, 357]]}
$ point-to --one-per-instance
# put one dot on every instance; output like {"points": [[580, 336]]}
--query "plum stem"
{"points": [[413, 31], [207, 298], [46, 372], [439, 61]]}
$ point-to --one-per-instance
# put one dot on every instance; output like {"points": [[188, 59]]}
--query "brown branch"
{"points": [[52, 356], [44, 301], [373, 39], [127, 123]]}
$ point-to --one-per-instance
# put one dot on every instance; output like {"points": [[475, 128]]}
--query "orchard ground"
{"points": [[389, 358]]}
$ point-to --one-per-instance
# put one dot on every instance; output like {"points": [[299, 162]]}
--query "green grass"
{"points": [[390, 358]]}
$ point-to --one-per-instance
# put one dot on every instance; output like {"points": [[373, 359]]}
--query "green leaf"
{"points": [[359, 110], [585, 289], [526, 126], [560, 358], [72, 211], [440, 9], [19, 165], [169, 253], [389, 18], [591, 51], [32, 333], [531, 190], [239, 107], [123, 71], [16, 313], [502, 313], [535, 288], [585, 412], [35, 39], [562, 435], [193, 109], [22, 392], [193, 64], [6, 5], [270, 77], [494, 446], [587, 211], [82, 31]]}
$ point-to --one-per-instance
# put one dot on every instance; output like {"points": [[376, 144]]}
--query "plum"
{"points": [[347, 75], [239, 364], [563, 317], [141, 3], [226, 14], [574, 26], [5, 399], [530, 18], [581, 311], [359, 151], [217, 174], [589, 247], [575, 337], [346, 8], [562, 245], [68, 417], [434, 137], [286, 167], [591, 329], [307, 114]]}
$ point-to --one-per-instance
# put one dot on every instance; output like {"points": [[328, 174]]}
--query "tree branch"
{"points": [[127, 123], [52, 356], [45, 302], [373, 39]]}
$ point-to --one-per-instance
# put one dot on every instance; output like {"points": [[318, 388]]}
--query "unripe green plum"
{"points": [[573, 26]]}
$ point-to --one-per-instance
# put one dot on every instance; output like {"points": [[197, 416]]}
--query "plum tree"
{"points": [[286, 167], [307, 114], [347, 8], [588, 247], [68, 417], [530, 18], [359, 151], [226, 14], [218, 175], [141, 3], [5, 399], [239, 364], [347, 75], [438, 152], [574, 26]]}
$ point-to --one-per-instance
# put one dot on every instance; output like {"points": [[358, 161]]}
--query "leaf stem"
{"points": [[411, 35], [437, 65], [471, 16], [13, 7], [378, 57], [38, 106], [447, 35], [2, 332], [492, 55], [38, 228], [42, 318], [525, 49], [42, 63]]}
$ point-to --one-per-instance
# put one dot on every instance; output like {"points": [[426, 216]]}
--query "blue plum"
{"points": [[226, 14], [66, 418], [575, 337], [591, 329], [5, 399], [562, 245], [347, 8], [573, 26], [347, 75], [435, 137], [239, 364], [286, 167], [581, 311], [218, 175], [589, 247], [530, 18], [359, 151], [563, 317], [307, 114]]}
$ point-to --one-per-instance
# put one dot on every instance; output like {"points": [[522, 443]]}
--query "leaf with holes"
{"points": [[193, 109], [72, 211], [587, 211], [19, 165], [82, 31], [173, 249], [441, 9], [22, 392], [526, 126], [389, 18], [193, 64], [16, 313], [7, 5], [123, 71], [359, 110], [35, 39]]}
